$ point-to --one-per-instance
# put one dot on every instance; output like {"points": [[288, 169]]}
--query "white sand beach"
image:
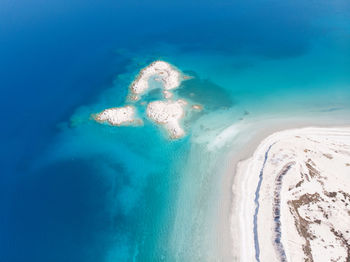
{"points": [[292, 199]]}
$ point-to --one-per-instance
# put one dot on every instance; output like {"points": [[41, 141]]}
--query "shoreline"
{"points": [[203, 219], [224, 149], [239, 160]]}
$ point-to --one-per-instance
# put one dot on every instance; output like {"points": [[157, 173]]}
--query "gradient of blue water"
{"points": [[89, 202]]}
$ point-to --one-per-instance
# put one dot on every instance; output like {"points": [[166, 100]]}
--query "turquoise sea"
{"points": [[75, 190]]}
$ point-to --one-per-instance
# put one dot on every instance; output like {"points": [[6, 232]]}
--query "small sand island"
{"points": [[166, 113], [161, 71], [117, 116], [293, 197]]}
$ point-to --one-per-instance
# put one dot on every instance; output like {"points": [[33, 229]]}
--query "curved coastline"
{"points": [[286, 222], [202, 215], [206, 225]]}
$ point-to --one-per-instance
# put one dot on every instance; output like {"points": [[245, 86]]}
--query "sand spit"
{"points": [[118, 116], [293, 197], [168, 114], [162, 71]]}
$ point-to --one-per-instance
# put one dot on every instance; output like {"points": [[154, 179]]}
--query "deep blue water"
{"points": [[70, 189]]}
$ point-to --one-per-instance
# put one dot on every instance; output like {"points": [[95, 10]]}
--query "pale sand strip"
{"points": [[304, 201]]}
